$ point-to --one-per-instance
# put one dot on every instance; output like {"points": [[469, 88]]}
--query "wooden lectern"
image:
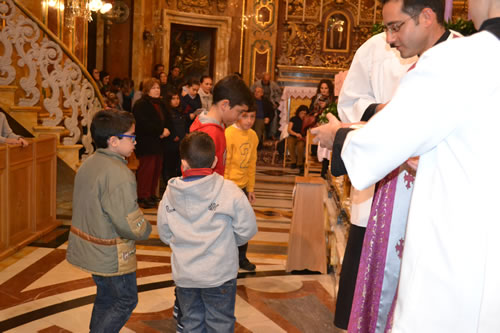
{"points": [[307, 245]]}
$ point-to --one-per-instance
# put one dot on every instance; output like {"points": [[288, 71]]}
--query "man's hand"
{"points": [[251, 197], [413, 162], [325, 134]]}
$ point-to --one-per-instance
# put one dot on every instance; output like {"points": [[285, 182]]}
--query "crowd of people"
{"points": [[418, 263]]}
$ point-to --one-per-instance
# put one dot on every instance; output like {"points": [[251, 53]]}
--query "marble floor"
{"points": [[41, 292]]}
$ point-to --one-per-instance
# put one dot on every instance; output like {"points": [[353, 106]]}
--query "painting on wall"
{"points": [[337, 33], [192, 50]]}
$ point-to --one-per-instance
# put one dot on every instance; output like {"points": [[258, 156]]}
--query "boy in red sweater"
{"points": [[231, 97]]}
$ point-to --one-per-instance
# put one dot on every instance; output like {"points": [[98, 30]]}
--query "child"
{"points": [[191, 102], [296, 141], [203, 218], [171, 158], [107, 221], [241, 160], [231, 97]]}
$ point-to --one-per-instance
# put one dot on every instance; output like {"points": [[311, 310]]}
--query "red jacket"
{"points": [[216, 131]]}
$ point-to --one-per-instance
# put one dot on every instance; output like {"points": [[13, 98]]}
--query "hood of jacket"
{"points": [[192, 199], [203, 121]]}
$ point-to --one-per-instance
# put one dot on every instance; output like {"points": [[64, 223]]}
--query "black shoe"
{"points": [[146, 203], [247, 265], [154, 199], [294, 166]]}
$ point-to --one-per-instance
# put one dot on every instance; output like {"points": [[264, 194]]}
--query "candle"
{"points": [[321, 11], [359, 12], [286, 11], [303, 10]]}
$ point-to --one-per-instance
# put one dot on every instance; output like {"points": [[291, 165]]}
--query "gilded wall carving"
{"points": [[208, 7], [260, 28], [325, 33]]}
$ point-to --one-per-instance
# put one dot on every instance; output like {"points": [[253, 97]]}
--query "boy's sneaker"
{"points": [[247, 265]]}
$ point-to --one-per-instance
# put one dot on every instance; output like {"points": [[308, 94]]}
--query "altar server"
{"points": [[371, 81]]}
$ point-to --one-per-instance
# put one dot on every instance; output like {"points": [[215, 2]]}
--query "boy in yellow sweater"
{"points": [[241, 160]]}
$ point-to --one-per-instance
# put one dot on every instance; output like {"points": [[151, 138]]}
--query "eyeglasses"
{"points": [[132, 137], [396, 26]]}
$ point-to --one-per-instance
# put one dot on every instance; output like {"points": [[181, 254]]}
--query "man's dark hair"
{"points": [[127, 83], [205, 77], [414, 7], [107, 123], [198, 149], [233, 89], [158, 66]]}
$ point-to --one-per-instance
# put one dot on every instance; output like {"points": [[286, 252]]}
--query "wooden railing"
{"points": [[27, 193], [42, 81]]}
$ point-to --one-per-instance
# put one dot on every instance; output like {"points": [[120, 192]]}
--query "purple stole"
{"points": [[380, 262]]}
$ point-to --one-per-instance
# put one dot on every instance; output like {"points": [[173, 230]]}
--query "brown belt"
{"points": [[92, 239]]}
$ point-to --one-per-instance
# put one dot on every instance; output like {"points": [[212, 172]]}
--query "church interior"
{"points": [[49, 49]]}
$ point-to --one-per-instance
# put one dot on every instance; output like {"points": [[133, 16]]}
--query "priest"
{"points": [[445, 111]]}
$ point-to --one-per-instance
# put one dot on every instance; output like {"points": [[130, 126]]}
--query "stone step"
{"points": [[70, 155], [58, 131], [27, 116], [7, 94]]}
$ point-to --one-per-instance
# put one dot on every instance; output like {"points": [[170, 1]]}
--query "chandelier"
{"points": [[79, 8]]}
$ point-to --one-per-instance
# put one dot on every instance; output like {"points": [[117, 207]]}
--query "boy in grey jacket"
{"points": [[107, 221], [204, 218]]}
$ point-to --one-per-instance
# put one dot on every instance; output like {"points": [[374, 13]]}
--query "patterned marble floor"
{"points": [[41, 292]]}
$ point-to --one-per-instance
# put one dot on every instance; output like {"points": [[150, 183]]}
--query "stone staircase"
{"points": [[43, 86]]}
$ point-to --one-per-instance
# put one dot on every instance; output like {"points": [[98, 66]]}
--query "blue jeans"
{"points": [[208, 309], [115, 300]]}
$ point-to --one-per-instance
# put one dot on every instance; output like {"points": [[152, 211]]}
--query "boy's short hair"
{"points": [[107, 123], [198, 149], [192, 82], [233, 89], [250, 110]]}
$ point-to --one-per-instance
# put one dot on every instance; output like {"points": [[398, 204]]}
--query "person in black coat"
{"points": [[191, 102], [153, 124], [180, 127]]}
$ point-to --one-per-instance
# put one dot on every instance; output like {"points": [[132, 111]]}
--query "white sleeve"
{"points": [[410, 125], [357, 92], [244, 221], [162, 222]]}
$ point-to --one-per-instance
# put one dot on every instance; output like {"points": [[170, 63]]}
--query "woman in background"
{"points": [[152, 124]]}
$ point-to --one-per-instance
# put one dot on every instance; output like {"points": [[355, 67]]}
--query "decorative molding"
{"points": [[61, 77], [221, 23]]}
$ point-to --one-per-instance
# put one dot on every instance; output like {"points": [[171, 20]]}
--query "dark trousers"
{"points": [[348, 276], [171, 164], [148, 175], [115, 300], [260, 129]]}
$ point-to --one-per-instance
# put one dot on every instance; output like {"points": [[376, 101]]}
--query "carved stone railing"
{"points": [[47, 74]]}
